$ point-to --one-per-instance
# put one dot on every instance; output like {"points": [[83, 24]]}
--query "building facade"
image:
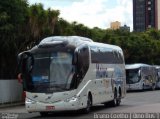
{"points": [[115, 25], [158, 14], [125, 28], [146, 14]]}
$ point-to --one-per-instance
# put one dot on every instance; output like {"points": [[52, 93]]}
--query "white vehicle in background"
{"points": [[72, 73], [140, 77], [158, 77]]}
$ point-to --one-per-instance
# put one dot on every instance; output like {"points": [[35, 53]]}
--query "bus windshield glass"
{"points": [[132, 76], [52, 72]]}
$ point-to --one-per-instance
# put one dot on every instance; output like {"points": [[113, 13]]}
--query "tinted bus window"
{"points": [[105, 55]]}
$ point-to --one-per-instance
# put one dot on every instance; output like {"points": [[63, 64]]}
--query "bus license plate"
{"points": [[50, 107]]}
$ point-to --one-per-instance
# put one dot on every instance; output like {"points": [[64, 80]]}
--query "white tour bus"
{"points": [[72, 73], [158, 77], [140, 77]]}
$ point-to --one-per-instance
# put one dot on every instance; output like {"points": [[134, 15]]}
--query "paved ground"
{"points": [[135, 102]]}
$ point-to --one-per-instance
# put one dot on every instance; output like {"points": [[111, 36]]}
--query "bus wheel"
{"points": [[153, 86], [44, 114], [114, 101], [89, 104], [118, 100], [143, 87]]}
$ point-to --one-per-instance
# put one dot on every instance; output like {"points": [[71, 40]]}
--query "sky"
{"points": [[92, 13]]}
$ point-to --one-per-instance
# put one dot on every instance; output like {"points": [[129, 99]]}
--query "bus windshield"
{"points": [[51, 72], [132, 76]]}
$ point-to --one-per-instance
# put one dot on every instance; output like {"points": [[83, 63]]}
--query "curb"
{"points": [[11, 104]]}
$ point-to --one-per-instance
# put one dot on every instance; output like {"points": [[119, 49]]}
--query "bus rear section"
{"points": [[60, 74], [140, 77]]}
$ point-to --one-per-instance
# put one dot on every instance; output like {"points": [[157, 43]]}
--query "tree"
{"points": [[23, 26], [153, 34], [10, 28]]}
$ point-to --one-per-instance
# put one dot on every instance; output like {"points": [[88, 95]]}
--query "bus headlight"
{"points": [[29, 101], [72, 99]]}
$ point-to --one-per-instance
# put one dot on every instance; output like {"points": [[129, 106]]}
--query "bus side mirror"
{"points": [[26, 61], [19, 77], [139, 73]]}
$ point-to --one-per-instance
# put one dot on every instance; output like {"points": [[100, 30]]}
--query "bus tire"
{"points": [[44, 114], [89, 104], [118, 101], [114, 102], [143, 87], [153, 86]]}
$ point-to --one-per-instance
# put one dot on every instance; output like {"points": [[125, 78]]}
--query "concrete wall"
{"points": [[10, 91]]}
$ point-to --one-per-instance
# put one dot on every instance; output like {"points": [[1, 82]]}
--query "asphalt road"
{"points": [[143, 104]]}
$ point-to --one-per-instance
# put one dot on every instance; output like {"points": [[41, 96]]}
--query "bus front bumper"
{"points": [[136, 86], [66, 105]]}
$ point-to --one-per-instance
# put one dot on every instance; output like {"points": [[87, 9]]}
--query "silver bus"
{"points": [[72, 73], [158, 77], [140, 76]]}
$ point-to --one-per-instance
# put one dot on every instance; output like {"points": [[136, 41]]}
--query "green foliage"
{"points": [[13, 13], [23, 26]]}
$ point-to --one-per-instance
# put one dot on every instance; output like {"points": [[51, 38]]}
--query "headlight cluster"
{"points": [[74, 98], [30, 101]]}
